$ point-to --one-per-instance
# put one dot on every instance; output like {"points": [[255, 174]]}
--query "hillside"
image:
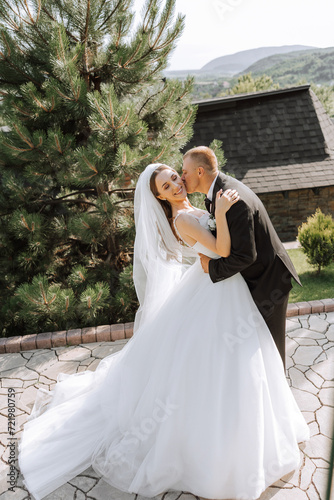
{"points": [[315, 66], [235, 63]]}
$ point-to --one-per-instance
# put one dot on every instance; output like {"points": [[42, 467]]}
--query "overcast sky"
{"points": [[220, 27]]}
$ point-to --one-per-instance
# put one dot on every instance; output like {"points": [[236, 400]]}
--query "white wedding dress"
{"points": [[196, 401]]}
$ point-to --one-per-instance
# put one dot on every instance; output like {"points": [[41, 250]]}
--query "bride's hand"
{"points": [[224, 200]]}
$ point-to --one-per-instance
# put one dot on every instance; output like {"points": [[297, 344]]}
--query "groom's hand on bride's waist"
{"points": [[205, 262]]}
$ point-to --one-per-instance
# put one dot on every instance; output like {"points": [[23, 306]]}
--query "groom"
{"points": [[256, 250]]}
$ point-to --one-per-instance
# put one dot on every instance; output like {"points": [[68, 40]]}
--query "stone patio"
{"points": [[310, 372]]}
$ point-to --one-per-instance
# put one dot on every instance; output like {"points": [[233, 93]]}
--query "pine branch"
{"points": [[144, 56], [90, 165], [86, 44], [82, 191], [13, 11], [146, 13], [170, 8], [5, 82], [33, 42], [110, 15], [123, 122], [32, 20], [14, 148], [11, 24], [182, 125], [152, 97], [119, 36], [133, 55], [6, 60], [102, 114], [114, 139], [112, 52], [64, 96], [121, 80], [39, 10], [122, 201], [149, 75], [66, 30], [186, 92], [111, 110], [168, 42], [122, 190], [102, 5], [23, 137], [154, 48], [59, 201], [23, 53], [6, 42], [26, 8], [61, 7], [76, 94], [166, 102], [144, 78], [159, 155], [41, 105], [140, 159], [40, 34]]}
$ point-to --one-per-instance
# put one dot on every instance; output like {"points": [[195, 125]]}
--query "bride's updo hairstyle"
{"points": [[166, 206]]}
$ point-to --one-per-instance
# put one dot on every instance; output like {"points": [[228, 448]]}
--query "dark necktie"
{"points": [[207, 204]]}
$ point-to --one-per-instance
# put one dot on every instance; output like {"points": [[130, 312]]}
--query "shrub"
{"points": [[316, 237]]}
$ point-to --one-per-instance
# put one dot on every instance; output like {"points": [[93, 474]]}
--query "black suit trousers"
{"points": [[276, 325]]}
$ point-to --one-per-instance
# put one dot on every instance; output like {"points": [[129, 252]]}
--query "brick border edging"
{"points": [[311, 307], [102, 333], [107, 333]]}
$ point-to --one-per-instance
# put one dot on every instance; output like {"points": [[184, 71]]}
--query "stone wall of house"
{"points": [[290, 209]]}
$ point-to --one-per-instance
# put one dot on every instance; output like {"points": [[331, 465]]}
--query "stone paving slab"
{"points": [[310, 373]]}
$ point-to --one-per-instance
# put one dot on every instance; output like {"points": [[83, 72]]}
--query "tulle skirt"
{"points": [[197, 401]]}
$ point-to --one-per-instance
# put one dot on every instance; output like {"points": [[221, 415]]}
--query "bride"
{"points": [[197, 399]]}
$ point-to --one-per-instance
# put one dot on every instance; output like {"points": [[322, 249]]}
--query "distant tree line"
{"points": [[247, 83]]}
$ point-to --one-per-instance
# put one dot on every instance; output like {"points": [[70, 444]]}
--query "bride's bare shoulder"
{"points": [[185, 219]]}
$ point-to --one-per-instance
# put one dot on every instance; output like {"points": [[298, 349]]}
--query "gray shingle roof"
{"points": [[273, 140]]}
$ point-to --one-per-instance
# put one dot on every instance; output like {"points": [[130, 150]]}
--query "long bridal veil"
{"points": [[159, 259]]}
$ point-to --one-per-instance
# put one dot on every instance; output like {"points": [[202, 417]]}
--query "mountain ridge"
{"points": [[315, 65], [236, 63]]}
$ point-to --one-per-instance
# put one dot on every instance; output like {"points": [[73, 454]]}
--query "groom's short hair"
{"points": [[204, 156]]}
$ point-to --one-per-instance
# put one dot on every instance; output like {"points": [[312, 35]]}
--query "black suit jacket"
{"points": [[256, 250]]}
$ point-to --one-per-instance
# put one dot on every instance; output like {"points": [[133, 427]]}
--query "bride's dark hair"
{"points": [[166, 206]]}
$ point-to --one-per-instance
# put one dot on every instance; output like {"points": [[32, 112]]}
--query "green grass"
{"points": [[315, 286]]}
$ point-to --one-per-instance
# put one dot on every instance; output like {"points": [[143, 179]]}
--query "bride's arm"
{"points": [[191, 231], [224, 201]]}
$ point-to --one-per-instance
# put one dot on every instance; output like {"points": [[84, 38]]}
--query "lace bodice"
{"points": [[198, 247]]}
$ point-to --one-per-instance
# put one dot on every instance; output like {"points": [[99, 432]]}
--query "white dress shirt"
{"points": [[210, 192]]}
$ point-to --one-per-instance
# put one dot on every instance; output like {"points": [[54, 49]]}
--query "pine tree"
{"points": [[86, 108], [247, 83]]}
